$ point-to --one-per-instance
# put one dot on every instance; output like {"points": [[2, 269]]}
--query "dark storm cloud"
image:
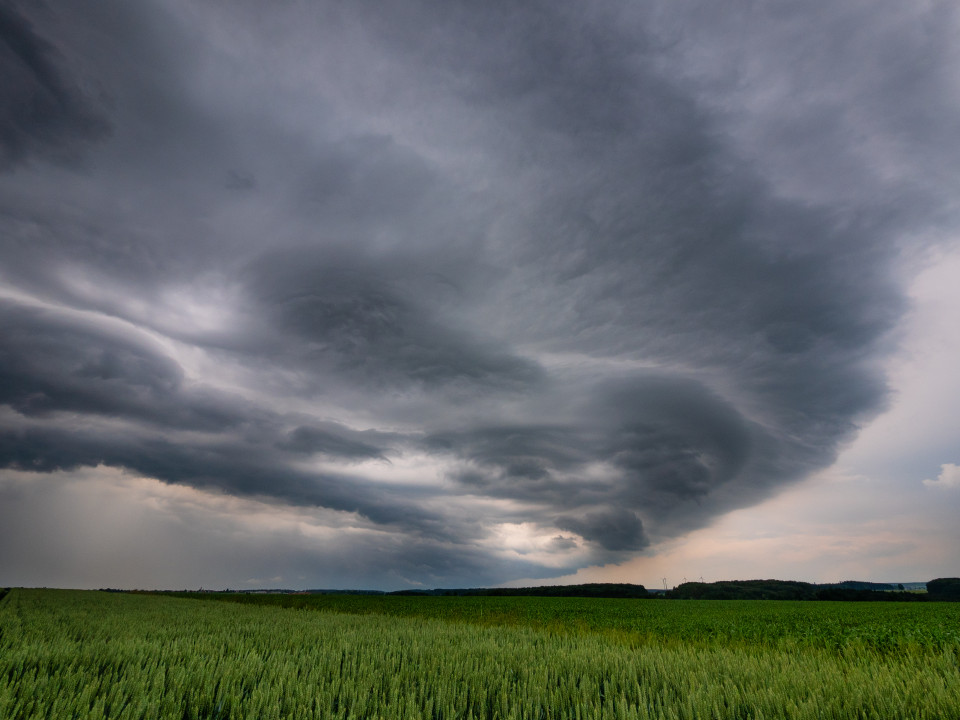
{"points": [[607, 270], [236, 466], [354, 317], [330, 440], [194, 549], [513, 447], [674, 435], [86, 372], [44, 111], [369, 177], [51, 363], [615, 529], [670, 441]]}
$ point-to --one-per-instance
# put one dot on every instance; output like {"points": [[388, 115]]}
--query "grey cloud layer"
{"points": [[44, 112], [531, 251], [340, 311]]}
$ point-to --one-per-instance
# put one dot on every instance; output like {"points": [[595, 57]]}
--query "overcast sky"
{"points": [[389, 295]]}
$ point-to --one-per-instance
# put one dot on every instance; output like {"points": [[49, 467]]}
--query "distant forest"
{"points": [[606, 590], [940, 589], [849, 590]]}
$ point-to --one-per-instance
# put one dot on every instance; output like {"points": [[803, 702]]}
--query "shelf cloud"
{"points": [[503, 290]]}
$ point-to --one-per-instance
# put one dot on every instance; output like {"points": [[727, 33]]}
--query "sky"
{"points": [[452, 294]]}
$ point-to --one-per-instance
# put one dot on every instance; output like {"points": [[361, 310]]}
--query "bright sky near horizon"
{"points": [[364, 295]]}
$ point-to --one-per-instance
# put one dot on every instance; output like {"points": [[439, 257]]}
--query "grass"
{"points": [[884, 627], [73, 654]]}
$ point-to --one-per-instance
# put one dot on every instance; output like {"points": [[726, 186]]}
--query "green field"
{"points": [[883, 627], [72, 654]]}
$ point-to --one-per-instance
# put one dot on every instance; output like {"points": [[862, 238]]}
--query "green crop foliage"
{"points": [[883, 627], [73, 654]]}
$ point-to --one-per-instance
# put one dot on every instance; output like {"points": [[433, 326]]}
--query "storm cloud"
{"points": [[504, 290], [45, 110]]}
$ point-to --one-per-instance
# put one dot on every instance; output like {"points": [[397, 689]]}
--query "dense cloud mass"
{"points": [[44, 112], [490, 290]]}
